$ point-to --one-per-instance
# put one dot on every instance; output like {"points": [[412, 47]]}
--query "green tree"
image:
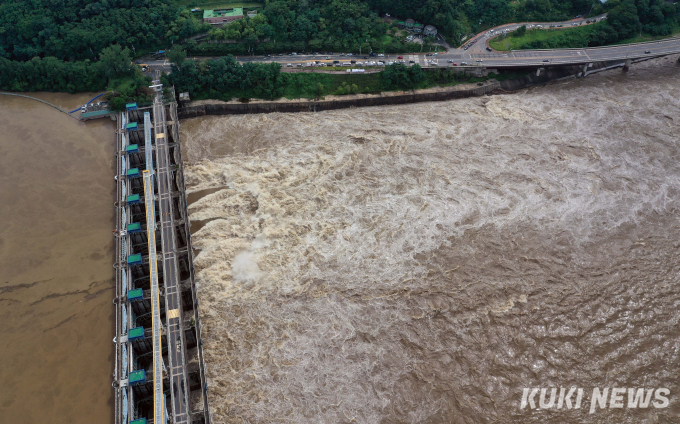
{"points": [[519, 32], [177, 56], [115, 61]]}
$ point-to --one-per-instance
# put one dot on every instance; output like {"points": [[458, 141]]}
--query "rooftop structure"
{"points": [[411, 25], [430, 31], [222, 16]]}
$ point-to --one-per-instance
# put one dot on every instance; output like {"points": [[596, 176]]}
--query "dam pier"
{"points": [[159, 374]]}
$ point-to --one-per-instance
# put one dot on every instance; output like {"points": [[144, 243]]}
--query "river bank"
{"points": [[438, 93]]}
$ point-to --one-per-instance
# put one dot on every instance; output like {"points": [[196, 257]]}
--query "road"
{"points": [[175, 332], [478, 43], [476, 54]]}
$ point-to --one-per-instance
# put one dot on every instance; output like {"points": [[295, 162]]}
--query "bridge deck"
{"points": [[176, 354]]}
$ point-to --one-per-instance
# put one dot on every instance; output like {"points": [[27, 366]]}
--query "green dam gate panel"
{"points": [[134, 227], [132, 126], [135, 294], [132, 148], [135, 259], [137, 377], [136, 333], [133, 199]]}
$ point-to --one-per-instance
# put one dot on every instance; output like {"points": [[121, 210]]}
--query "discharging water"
{"points": [[425, 263], [56, 256]]}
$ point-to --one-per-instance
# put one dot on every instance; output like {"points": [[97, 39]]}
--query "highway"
{"points": [[477, 44], [476, 54]]}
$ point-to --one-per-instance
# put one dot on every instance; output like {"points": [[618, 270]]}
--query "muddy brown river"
{"points": [[56, 255], [427, 263]]}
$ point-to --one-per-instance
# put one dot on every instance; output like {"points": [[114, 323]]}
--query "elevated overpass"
{"points": [[535, 58]]}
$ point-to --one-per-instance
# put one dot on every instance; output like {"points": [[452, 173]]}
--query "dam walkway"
{"points": [[159, 372]]}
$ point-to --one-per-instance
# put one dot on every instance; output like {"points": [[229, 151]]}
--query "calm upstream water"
{"points": [[425, 263], [56, 255]]}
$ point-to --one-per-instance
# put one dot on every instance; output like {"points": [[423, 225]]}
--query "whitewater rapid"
{"points": [[424, 263]]}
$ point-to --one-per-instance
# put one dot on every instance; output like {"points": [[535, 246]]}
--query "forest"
{"points": [[59, 46]]}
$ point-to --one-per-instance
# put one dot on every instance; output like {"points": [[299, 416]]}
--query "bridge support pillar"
{"points": [[626, 67], [539, 70]]}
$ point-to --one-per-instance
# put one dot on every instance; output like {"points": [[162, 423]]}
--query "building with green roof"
{"points": [[222, 16]]}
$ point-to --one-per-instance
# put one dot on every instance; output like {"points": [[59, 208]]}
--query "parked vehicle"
{"points": [[488, 49], [400, 57]]}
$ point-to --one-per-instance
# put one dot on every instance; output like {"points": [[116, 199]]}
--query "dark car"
{"points": [[488, 49], [352, 61], [336, 61], [546, 60], [647, 52], [410, 61], [372, 54]]}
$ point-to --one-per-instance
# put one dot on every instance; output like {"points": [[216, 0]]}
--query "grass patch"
{"points": [[385, 39], [306, 85], [575, 36]]}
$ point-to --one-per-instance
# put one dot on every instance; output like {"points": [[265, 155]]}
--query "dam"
{"points": [[159, 373]]}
